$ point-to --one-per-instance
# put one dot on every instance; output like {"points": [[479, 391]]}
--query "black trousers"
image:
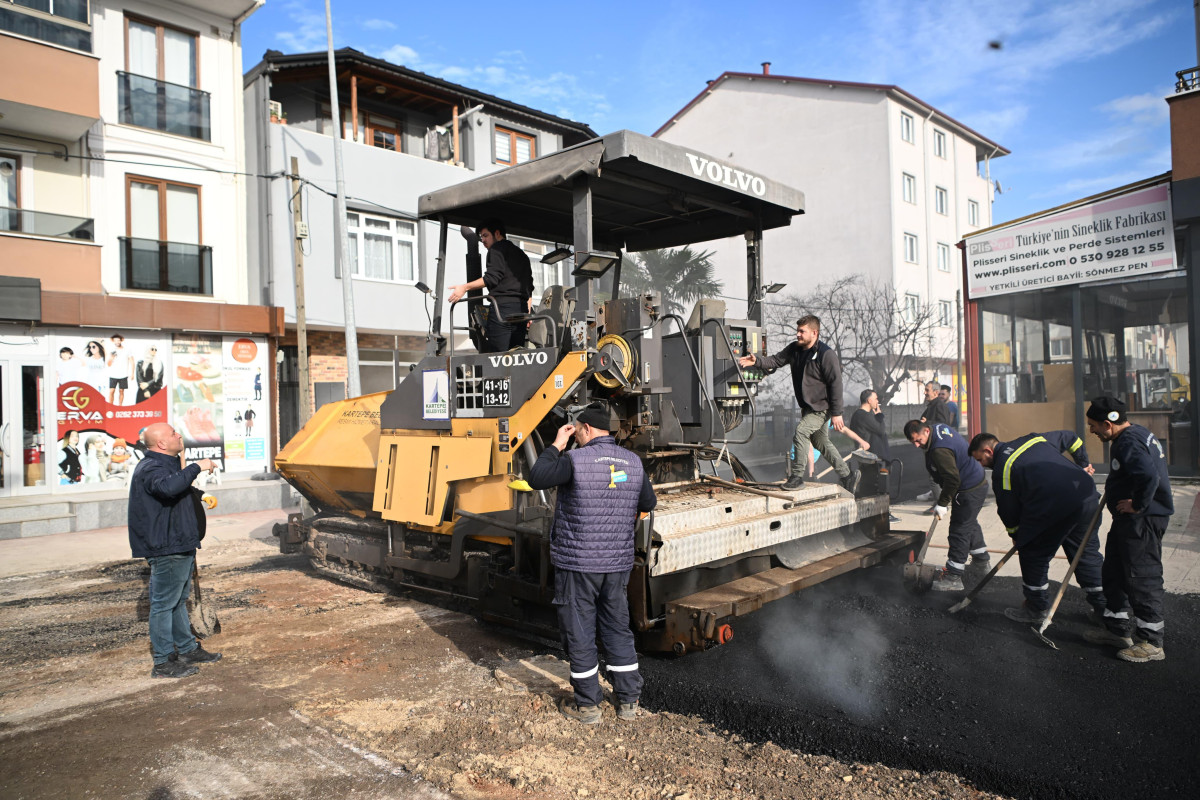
{"points": [[1036, 553], [965, 534], [501, 336], [591, 602], [1133, 577]]}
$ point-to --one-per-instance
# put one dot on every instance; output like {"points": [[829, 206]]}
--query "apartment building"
{"points": [[404, 133], [891, 185], [124, 294]]}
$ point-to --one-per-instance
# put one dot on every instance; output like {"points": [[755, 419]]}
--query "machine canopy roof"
{"points": [[646, 194]]}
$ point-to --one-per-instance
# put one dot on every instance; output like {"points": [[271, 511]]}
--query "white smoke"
{"points": [[818, 653]]}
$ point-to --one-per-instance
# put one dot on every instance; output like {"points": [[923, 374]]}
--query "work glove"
{"points": [[209, 501], [1012, 532], [941, 512]]}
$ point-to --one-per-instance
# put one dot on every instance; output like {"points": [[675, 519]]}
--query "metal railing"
{"points": [[169, 107], [151, 265], [41, 223], [1187, 79]]}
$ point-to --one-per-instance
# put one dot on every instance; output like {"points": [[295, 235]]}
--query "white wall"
{"points": [[831, 144], [208, 164], [392, 182]]}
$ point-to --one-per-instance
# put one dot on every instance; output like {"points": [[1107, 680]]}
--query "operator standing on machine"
{"points": [[601, 488], [1044, 502], [817, 381], [509, 281]]}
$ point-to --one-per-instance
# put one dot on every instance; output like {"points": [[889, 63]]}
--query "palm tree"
{"points": [[682, 275]]}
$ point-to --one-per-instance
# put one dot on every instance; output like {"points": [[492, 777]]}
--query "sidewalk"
{"points": [[1181, 544], [84, 548]]}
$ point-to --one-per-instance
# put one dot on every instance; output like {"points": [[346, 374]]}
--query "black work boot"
{"points": [[793, 483], [173, 669], [199, 656], [947, 581]]}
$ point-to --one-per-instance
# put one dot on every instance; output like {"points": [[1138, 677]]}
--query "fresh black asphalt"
{"points": [[859, 669]]}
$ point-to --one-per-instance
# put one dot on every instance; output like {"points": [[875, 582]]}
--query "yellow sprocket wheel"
{"points": [[616, 348]]}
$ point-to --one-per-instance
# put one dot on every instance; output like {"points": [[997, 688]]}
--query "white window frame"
{"points": [[1060, 348], [973, 213], [943, 255], [941, 200], [945, 314], [908, 189], [912, 307], [907, 127], [939, 143], [356, 235], [912, 251]]}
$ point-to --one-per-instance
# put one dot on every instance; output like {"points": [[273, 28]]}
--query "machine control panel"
{"points": [[745, 338]]}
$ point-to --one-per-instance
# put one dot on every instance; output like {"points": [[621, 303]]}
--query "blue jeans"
{"points": [[170, 585]]}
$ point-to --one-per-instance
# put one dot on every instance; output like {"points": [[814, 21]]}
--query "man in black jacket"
{"points": [[165, 528], [935, 412], [509, 281], [868, 422], [817, 381], [1138, 495]]}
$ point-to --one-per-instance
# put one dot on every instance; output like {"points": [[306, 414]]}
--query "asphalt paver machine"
{"points": [[422, 488]]}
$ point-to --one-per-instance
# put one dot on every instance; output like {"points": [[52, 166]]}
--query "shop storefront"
{"points": [[1090, 299], [73, 401]]}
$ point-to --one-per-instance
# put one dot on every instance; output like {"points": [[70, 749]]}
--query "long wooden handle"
{"points": [[1062, 588]]}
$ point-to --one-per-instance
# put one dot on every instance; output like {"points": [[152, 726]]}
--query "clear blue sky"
{"points": [[1076, 90]]}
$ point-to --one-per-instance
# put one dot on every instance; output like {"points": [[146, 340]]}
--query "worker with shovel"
{"points": [[963, 487], [1138, 494], [1045, 502], [164, 529]]}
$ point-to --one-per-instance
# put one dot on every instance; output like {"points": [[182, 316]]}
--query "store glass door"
{"points": [[23, 462]]}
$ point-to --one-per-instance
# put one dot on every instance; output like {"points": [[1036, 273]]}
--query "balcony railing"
{"points": [[40, 223], [1187, 79], [78, 36], [169, 107], [151, 265]]}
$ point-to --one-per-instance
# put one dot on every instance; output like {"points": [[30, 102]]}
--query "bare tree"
{"points": [[880, 338]]}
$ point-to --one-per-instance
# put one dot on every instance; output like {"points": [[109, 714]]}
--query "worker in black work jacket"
{"points": [[963, 488], [601, 489], [1045, 502], [1138, 495]]}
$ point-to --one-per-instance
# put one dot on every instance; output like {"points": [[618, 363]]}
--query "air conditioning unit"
{"points": [[275, 108]]}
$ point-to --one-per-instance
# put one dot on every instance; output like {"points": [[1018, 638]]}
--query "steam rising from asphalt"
{"points": [[819, 655]]}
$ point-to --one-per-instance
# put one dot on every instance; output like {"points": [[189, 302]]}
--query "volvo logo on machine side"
{"points": [[720, 173], [518, 359]]}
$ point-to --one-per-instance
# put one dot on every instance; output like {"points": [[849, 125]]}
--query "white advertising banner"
{"points": [[1117, 237]]}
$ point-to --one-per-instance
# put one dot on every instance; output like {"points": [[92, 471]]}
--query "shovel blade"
{"points": [[1038, 632]]}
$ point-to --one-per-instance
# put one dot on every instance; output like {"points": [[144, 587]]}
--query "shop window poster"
{"points": [[110, 385], [199, 398], [247, 410]]}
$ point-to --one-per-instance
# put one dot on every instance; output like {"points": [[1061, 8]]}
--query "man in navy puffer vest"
{"points": [[601, 489]]}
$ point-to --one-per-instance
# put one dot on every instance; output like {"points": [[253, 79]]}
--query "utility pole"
{"points": [[301, 320], [960, 374], [339, 220]]}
